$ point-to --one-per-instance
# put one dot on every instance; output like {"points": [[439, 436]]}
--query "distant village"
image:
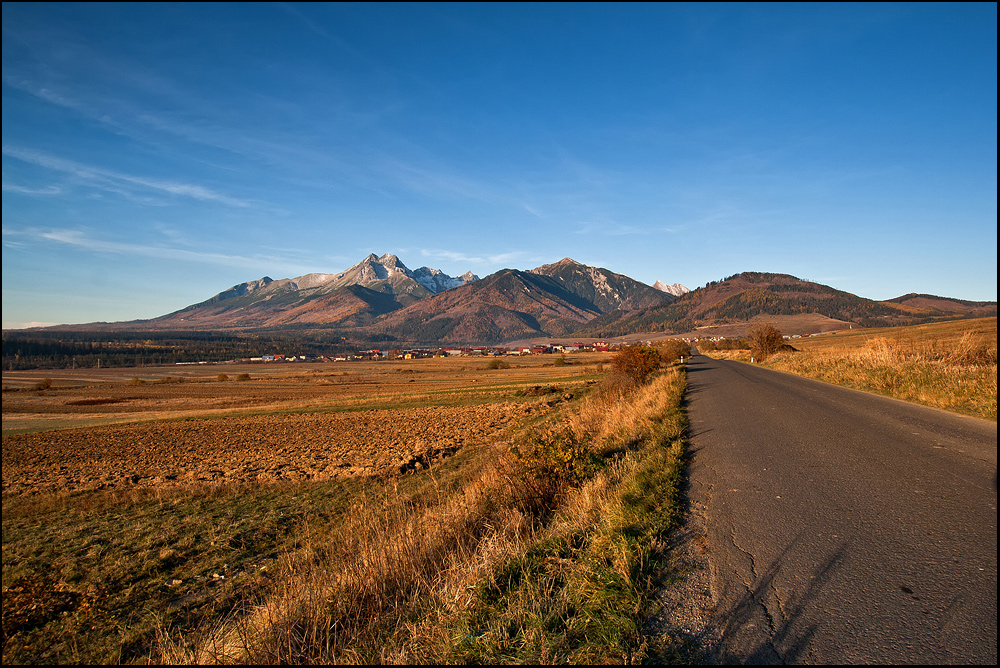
{"points": [[446, 351], [465, 351]]}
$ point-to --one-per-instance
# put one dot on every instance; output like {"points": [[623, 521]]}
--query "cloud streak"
{"points": [[80, 240], [111, 181], [481, 260], [47, 190]]}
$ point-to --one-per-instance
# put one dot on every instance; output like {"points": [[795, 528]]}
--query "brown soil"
{"points": [[106, 429], [247, 449]]}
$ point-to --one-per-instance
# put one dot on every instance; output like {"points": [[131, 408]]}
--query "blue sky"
{"points": [[154, 155]]}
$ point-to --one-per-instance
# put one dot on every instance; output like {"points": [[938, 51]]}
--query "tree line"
{"points": [[64, 350]]}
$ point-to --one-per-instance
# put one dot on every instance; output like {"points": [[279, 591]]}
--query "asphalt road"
{"points": [[843, 527]]}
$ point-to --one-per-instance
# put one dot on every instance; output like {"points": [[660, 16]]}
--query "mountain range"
{"points": [[379, 298]]}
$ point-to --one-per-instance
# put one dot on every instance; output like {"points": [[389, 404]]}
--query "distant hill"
{"points": [[503, 306], [380, 299], [752, 295], [929, 305]]}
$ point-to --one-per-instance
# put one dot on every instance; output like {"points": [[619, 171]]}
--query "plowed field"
{"points": [[246, 449], [295, 425]]}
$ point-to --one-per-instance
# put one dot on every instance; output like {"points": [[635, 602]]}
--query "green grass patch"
{"points": [[126, 566], [581, 592]]}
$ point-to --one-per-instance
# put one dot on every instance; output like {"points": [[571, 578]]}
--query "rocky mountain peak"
{"points": [[676, 289], [566, 262], [392, 263]]}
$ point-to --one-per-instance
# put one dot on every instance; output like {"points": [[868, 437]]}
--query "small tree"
{"points": [[765, 340]]}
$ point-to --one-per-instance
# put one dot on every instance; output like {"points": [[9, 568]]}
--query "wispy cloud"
{"points": [[112, 181], [83, 241], [436, 182], [612, 229], [11, 324], [47, 190], [48, 94], [163, 112], [495, 260], [424, 176]]}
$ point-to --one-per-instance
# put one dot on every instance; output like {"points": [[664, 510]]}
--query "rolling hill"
{"points": [[744, 297]]}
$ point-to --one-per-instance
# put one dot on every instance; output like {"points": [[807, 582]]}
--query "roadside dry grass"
{"points": [[951, 365], [509, 558], [493, 554]]}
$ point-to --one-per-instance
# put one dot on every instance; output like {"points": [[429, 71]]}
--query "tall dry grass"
{"points": [[959, 375], [407, 579], [345, 596]]}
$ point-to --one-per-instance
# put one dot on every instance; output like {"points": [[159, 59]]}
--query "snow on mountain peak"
{"points": [[676, 289], [436, 280], [313, 280], [392, 263]]}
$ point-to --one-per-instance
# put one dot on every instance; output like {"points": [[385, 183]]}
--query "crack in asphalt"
{"points": [[753, 591]]}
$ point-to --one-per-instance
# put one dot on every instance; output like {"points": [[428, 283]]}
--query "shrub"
{"points": [[632, 366], [765, 340], [222, 377], [243, 376], [673, 350], [732, 344], [497, 364], [43, 384], [549, 462]]}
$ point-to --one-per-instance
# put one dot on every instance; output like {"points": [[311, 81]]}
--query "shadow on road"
{"points": [[786, 640]]}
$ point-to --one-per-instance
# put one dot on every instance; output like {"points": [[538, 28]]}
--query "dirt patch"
{"points": [[248, 449]]}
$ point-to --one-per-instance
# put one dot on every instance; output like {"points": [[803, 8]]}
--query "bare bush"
{"points": [[733, 344], [673, 350], [632, 367], [765, 339]]}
